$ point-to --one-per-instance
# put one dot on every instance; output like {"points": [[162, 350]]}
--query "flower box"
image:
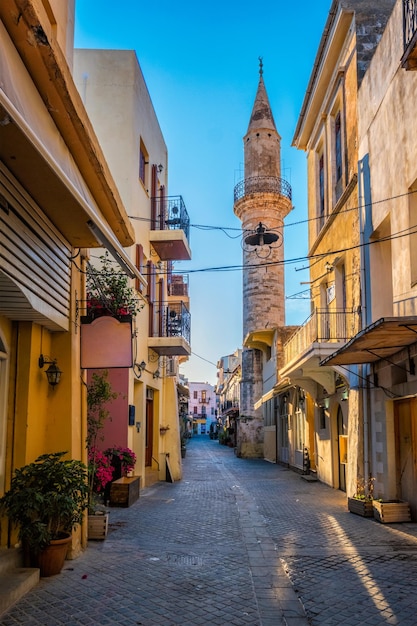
{"points": [[98, 526], [390, 511], [360, 506]]}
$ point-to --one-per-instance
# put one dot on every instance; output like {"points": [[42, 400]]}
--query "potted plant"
{"points": [[109, 292], [390, 511], [362, 502], [47, 500], [122, 458]]}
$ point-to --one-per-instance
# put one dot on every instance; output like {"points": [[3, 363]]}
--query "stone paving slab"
{"points": [[236, 542]]}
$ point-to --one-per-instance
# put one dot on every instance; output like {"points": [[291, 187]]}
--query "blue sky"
{"points": [[200, 63]]}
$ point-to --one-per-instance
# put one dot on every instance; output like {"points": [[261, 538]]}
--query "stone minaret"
{"points": [[262, 200]]}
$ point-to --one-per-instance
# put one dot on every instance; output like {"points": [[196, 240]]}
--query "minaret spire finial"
{"points": [[261, 65]]}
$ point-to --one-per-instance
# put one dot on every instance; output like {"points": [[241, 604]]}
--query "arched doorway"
{"points": [[341, 448]]}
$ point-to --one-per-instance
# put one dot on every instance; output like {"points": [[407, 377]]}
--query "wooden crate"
{"points": [[392, 511], [361, 507], [124, 491], [98, 526]]}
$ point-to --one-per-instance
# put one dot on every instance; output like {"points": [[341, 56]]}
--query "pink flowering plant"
{"points": [[126, 456], [100, 468], [100, 471]]}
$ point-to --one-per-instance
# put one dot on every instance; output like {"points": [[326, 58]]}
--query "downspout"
{"points": [[365, 229]]}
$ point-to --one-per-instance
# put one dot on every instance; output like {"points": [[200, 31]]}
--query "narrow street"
{"points": [[240, 542]]}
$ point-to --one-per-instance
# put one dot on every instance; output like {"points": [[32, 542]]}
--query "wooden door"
{"points": [[149, 433], [405, 419]]}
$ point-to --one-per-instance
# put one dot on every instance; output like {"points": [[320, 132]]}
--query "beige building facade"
{"points": [[322, 412], [385, 351], [116, 97]]}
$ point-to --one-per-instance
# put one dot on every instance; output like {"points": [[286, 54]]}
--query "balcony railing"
{"points": [[409, 60], [321, 327], [174, 321], [262, 184], [170, 214], [228, 405]]}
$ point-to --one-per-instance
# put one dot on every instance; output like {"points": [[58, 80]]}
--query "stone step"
{"points": [[15, 584], [10, 558], [15, 580]]}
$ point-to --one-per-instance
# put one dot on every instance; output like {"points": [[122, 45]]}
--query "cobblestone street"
{"points": [[239, 542]]}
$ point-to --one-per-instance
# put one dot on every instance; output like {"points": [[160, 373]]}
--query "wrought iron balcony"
{"points": [[262, 184], [170, 228], [171, 330], [229, 406], [322, 326], [409, 59]]}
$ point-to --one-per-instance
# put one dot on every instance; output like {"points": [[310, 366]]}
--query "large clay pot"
{"points": [[51, 559]]}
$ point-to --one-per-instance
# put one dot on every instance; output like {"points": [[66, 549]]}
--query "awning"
{"points": [[380, 340]]}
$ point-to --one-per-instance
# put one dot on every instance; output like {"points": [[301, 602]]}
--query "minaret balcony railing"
{"points": [[409, 60], [262, 184]]}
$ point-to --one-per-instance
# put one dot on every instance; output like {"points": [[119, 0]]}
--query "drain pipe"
{"points": [[365, 229]]}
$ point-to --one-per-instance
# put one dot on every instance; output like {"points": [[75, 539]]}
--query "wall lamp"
{"points": [[53, 373], [157, 374], [138, 368]]}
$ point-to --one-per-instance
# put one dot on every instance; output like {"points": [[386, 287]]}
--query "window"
{"points": [[203, 395], [338, 156], [338, 147], [203, 410], [412, 239], [322, 204], [143, 162], [195, 395], [195, 410]]}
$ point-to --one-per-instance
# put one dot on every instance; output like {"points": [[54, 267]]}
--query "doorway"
{"points": [[3, 412], [149, 428], [341, 449], [405, 423]]}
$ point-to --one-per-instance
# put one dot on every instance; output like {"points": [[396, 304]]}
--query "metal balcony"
{"points": [[171, 332], [170, 228], [409, 59], [323, 326], [262, 184]]}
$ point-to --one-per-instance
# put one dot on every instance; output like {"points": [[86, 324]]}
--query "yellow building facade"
{"points": [[57, 199]]}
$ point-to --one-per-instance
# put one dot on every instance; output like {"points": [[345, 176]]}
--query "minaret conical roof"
{"points": [[261, 113]]}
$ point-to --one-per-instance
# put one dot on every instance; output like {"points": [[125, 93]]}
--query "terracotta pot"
{"points": [[51, 559]]}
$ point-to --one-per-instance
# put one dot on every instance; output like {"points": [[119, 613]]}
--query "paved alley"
{"points": [[236, 542]]}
